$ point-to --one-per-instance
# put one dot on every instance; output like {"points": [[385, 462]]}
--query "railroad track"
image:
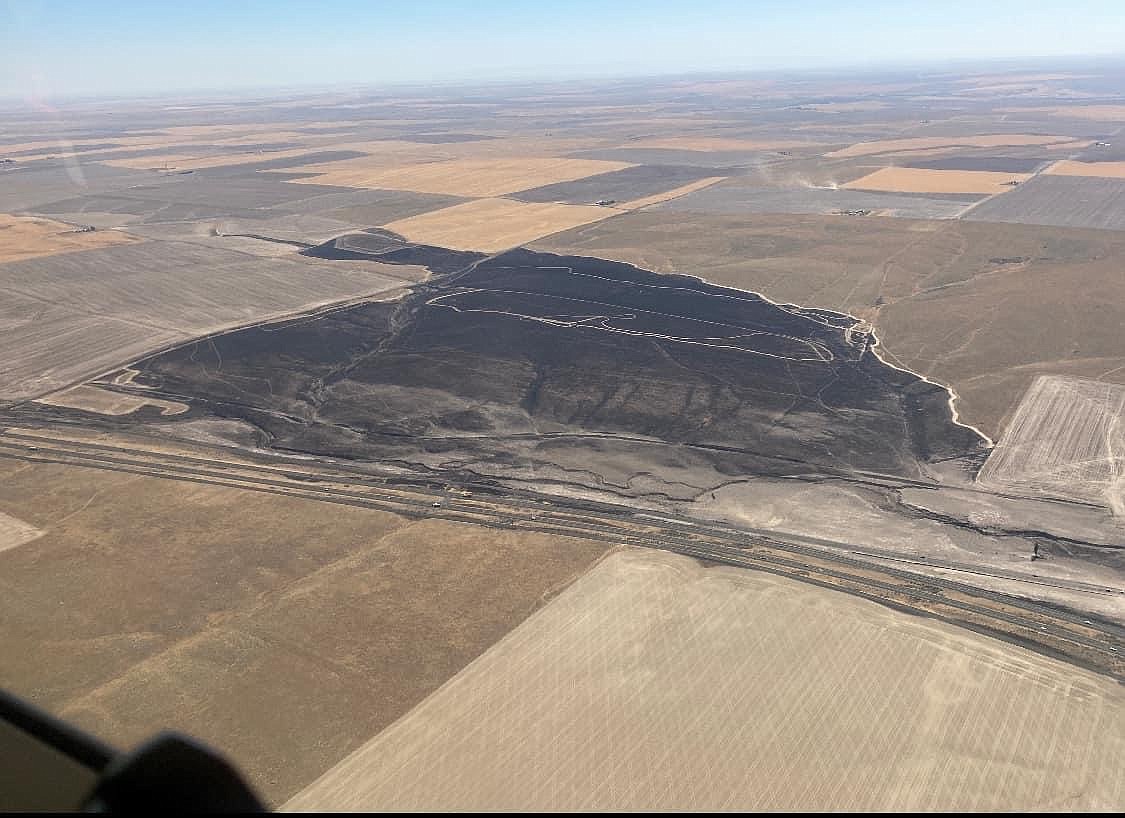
{"points": [[1093, 643]]}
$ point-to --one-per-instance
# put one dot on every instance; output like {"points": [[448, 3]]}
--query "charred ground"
{"points": [[538, 365]]}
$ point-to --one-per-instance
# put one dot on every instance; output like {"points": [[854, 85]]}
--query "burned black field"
{"points": [[530, 364]]}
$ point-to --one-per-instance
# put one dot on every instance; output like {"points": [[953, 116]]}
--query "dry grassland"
{"points": [[106, 402], [949, 142], [1105, 170], [716, 143], [15, 532], [667, 195], [462, 177], [925, 180], [1066, 439], [654, 683], [283, 631], [490, 225], [24, 237]]}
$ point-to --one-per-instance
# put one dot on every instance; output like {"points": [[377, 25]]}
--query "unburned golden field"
{"points": [[655, 683], [463, 177], [1106, 170], [490, 225], [925, 180], [923, 142], [24, 237], [675, 193]]}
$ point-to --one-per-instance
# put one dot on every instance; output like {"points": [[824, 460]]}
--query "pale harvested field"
{"points": [[667, 195], [462, 177], [106, 402], [717, 143], [1103, 113], [845, 107], [654, 683], [15, 532], [1066, 439], [26, 237], [924, 142], [490, 225], [74, 316], [1107, 170], [283, 631], [925, 180]]}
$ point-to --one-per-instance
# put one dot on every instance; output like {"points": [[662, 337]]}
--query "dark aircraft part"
{"points": [[48, 765]]}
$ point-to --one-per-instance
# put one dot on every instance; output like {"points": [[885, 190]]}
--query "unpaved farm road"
{"points": [[1087, 641]]}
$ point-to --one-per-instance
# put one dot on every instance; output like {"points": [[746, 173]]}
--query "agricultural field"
{"points": [[1104, 170], [105, 402], [1066, 439], [74, 316], [25, 237], [915, 144], [489, 225], [1060, 201], [927, 180], [463, 177], [247, 618], [637, 182], [734, 199], [654, 682]]}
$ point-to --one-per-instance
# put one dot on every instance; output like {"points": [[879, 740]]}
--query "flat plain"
{"points": [[80, 314], [25, 237], [654, 683], [928, 180], [494, 224], [467, 177], [1059, 201], [283, 631]]}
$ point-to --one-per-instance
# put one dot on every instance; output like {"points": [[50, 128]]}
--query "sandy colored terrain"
{"points": [[924, 180], [1106, 170], [15, 532], [667, 195], [1066, 439], [654, 683], [1103, 113], [845, 107], [717, 143], [106, 402], [283, 631], [24, 237], [490, 225], [964, 303], [922, 142], [462, 177]]}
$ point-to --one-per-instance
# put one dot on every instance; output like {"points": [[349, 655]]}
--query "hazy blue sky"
{"points": [[59, 48]]}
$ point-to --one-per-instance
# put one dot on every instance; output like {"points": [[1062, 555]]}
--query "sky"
{"points": [[58, 49]]}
